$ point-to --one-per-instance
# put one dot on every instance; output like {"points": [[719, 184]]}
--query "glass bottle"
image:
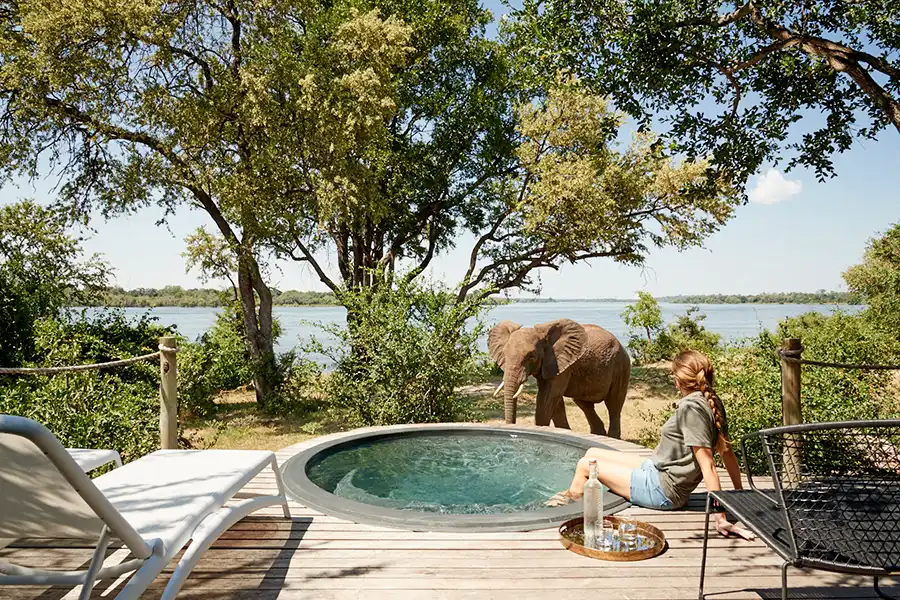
{"points": [[593, 526]]}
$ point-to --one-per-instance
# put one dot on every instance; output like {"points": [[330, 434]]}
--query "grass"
{"points": [[238, 424]]}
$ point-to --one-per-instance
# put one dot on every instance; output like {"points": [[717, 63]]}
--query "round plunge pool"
{"points": [[442, 477]]}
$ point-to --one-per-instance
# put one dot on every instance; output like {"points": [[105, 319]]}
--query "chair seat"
{"points": [[816, 547], [758, 512], [167, 494]]}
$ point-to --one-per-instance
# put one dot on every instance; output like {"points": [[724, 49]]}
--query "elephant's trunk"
{"points": [[512, 380]]}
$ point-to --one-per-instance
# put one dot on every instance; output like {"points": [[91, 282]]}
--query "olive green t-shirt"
{"points": [[693, 424]]}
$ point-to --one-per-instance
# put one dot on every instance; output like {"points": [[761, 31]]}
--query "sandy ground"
{"points": [[238, 424]]}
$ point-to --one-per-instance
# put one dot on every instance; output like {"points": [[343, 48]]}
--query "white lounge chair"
{"points": [[89, 459], [154, 505]]}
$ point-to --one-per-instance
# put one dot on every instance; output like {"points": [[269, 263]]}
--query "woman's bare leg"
{"points": [[616, 477], [604, 456], [613, 470]]}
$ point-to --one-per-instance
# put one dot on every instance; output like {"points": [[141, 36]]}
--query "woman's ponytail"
{"points": [[694, 372]]}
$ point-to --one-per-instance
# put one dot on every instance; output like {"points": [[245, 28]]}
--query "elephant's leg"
{"points": [[550, 399], [615, 400], [560, 419], [589, 409]]}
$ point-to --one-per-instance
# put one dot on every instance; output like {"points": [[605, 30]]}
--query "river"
{"points": [[731, 321]]}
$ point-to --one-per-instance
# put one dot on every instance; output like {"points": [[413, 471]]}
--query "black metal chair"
{"points": [[835, 504]]}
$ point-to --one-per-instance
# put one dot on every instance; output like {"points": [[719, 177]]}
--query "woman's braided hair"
{"points": [[694, 372]]}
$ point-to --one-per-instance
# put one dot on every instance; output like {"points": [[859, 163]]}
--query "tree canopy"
{"points": [[373, 132], [730, 81], [877, 279], [42, 270]]}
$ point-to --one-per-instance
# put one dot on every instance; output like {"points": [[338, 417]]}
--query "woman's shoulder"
{"points": [[695, 401], [694, 398]]}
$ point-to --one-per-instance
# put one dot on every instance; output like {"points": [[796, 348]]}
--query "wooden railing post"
{"points": [[168, 394], [791, 410]]}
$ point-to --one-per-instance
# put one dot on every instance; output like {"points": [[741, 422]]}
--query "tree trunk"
{"points": [[257, 327]]}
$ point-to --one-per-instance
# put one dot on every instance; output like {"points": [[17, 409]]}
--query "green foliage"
{"points": [[877, 279], [749, 376], [688, 332], [658, 343], [175, 295], [218, 361], [113, 408], [405, 352], [577, 193], [644, 314], [302, 388], [820, 297], [41, 272], [729, 82]]}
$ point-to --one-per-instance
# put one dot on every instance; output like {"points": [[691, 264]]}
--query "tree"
{"points": [[42, 271], [376, 135], [239, 109], [730, 80], [877, 279], [644, 314], [576, 195]]}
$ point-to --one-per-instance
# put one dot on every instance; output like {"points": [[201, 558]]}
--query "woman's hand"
{"points": [[726, 528]]}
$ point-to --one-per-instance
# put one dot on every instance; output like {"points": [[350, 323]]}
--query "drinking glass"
{"points": [[606, 536], [628, 535]]}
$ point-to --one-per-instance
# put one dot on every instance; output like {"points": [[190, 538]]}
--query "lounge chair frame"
{"points": [[149, 558], [835, 505]]}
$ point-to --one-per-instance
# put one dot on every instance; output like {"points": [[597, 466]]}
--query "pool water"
{"points": [[452, 474]]}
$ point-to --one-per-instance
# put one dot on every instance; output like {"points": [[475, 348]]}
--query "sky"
{"points": [[795, 235]]}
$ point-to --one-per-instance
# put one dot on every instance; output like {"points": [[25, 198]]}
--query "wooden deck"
{"points": [[320, 557]]}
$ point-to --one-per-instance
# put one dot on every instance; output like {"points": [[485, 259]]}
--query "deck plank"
{"points": [[321, 557]]}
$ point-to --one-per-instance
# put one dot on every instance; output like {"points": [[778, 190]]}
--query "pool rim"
{"points": [[307, 493]]}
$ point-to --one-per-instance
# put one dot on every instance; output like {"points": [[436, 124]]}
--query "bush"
{"points": [[218, 361], [114, 408], [301, 390], [748, 377], [657, 343], [404, 354]]}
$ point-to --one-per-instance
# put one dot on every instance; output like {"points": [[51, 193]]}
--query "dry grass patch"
{"points": [[238, 424]]}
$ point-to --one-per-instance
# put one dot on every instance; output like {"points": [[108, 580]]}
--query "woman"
{"points": [[683, 458]]}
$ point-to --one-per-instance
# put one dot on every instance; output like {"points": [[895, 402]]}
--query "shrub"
{"points": [[657, 343], [218, 361], [404, 354], [748, 377], [115, 408], [301, 390]]}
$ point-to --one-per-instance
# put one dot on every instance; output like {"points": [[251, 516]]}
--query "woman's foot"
{"points": [[561, 499]]}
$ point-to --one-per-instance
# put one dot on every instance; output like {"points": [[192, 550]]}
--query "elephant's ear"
{"points": [[498, 337], [565, 342]]}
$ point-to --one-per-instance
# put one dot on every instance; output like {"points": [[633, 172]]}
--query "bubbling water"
{"points": [[450, 474]]}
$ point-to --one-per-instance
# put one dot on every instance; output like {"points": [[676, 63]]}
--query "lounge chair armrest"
{"points": [[758, 436]]}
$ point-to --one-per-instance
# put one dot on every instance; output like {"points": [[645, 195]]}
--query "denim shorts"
{"points": [[646, 490]]}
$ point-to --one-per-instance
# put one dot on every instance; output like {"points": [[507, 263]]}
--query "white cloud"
{"points": [[772, 187]]}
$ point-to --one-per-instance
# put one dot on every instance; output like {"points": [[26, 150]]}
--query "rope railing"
{"points": [[76, 368], [168, 383], [790, 356]]}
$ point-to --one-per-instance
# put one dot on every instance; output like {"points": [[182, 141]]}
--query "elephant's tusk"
{"points": [[499, 387], [519, 391]]}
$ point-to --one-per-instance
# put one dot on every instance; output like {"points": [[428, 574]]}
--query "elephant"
{"points": [[584, 362]]}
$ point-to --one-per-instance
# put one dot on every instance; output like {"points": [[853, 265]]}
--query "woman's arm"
{"points": [[734, 470], [704, 458]]}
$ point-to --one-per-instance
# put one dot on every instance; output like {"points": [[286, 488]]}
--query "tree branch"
{"points": [[718, 20], [194, 58], [115, 132], [842, 59], [764, 52], [308, 257]]}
